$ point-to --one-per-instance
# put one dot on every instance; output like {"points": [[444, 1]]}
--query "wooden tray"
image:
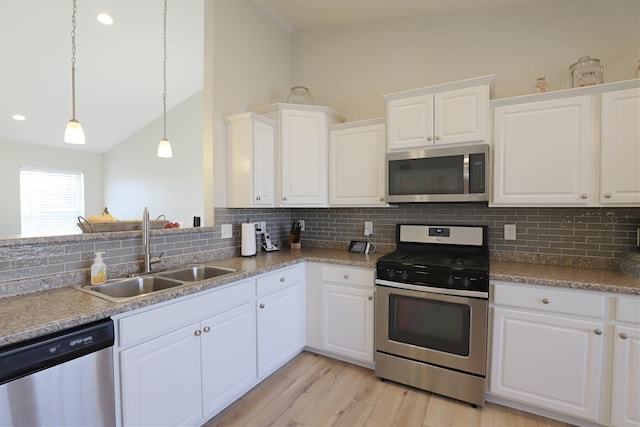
{"points": [[127, 225]]}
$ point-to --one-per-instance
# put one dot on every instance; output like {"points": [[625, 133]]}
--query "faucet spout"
{"points": [[146, 240]]}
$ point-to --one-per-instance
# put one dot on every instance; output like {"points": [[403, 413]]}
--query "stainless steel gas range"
{"points": [[432, 297]]}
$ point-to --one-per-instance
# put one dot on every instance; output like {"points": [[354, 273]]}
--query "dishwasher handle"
{"points": [[27, 357]]}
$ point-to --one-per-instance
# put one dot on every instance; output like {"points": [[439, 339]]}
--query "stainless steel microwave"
{"points": [[447, 174]]}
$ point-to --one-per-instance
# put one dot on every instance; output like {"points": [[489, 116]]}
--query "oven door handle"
{"points": [[443, 291]]}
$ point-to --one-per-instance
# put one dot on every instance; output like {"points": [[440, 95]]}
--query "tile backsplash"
{"points": [[589, 237]]}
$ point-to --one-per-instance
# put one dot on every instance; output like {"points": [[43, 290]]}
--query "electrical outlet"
{"points": [[509, 232], [225, 231], [368, 228], [261, 227], [302, 225]]}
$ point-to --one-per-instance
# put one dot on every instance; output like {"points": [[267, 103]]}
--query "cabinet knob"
{"points": [[197, 332], [284, 198], [282, 279], [346, 276], [584, 196], [624, 336], [369, 297], [206, 329], [429, 138], [607, 195], [545, 300], [261, 306], [382, 199], [258, 198], [437, 138], [598, 332]]}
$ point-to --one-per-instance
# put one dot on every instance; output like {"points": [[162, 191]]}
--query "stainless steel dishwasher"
{"points": [[61, 379]]}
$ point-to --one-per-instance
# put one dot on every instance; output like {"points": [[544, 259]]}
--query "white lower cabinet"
{"points": [[180, 363], [567, 352], [548, 360], [280, 318], [342, 324]]}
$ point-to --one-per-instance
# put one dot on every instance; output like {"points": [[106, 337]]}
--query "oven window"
{"points": [[437, 325], [432, 175]]}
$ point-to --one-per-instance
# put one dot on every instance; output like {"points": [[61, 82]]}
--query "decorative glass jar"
{"points": [[541, 85], [586, 72], [300, 95]]}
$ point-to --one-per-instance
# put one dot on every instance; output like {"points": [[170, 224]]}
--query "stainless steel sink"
{"points": [[196, 273], [125, 289], [119, 290]]}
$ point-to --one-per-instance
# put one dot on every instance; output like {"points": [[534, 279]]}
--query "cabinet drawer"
{"points": [[348, 275], [550, 300], [155, 322], [628, 310], [279, 279]]}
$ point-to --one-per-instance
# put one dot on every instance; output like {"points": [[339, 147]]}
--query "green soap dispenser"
{"points": [[98, 270]]}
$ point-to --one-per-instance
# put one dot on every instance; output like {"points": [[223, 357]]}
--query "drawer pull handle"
{"points": [[261, 305], [206, 329], [598, 332], [545, 300], [197, 332], [624, 336], [369, 297], [282, 279]]}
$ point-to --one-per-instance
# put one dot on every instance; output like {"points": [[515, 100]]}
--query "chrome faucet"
{"points": [[146, 232]]}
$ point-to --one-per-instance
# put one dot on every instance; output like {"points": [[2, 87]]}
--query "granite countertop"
{"points": [[34, 314]]}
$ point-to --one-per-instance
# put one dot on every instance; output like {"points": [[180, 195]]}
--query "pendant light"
{"points": [[73, 134], [164, 149]]}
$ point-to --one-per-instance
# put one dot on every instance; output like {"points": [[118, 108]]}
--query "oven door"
{"points": [[443, 330]]}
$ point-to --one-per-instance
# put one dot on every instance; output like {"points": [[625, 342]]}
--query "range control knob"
{"points": [[451, 280], [466, 282], [390, 273], [405, 275]]}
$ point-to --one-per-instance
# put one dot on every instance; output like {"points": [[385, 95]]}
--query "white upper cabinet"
{"points": [[542, 152], [620, 148], [301, 141], [357, 163], [251, 153], [451, 113], [558, 149]]}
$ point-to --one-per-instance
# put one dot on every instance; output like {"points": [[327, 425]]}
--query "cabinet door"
{"points": [[548, 361], [347, 321], [461, 115], [357, 166], [620, 148], [304, 158], [161, 382], [280, 319], [542, 153], [228, 357], [625, 399], [263, 164], [410, 123]]}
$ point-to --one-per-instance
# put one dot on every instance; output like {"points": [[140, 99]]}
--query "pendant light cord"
{"points": [[73, 60], [164, 71]]}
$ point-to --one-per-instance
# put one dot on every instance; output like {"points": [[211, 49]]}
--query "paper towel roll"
{"points": [[248, 244]]}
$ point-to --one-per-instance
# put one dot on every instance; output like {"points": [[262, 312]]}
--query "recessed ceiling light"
{"points": [[19, 117], [105, 18]]}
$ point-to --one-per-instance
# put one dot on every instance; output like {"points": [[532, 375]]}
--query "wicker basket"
{"points": [[127, 225]]}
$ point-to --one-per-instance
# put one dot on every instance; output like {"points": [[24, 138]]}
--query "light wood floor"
{"points": [[313, 390]]}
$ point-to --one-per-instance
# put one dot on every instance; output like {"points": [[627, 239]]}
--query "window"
{"points": [[50, 201]]}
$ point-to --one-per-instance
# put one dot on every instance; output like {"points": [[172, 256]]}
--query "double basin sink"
{"points": [[119, 290]]}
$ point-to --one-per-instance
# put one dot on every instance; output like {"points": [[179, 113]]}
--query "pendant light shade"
{"points": [[73, 134], [164, 148]]}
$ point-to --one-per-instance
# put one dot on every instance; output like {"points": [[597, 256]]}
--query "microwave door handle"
{"points": [[465, 173]]}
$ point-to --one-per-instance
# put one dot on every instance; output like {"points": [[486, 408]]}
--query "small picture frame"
{"points": [[359, 247]]}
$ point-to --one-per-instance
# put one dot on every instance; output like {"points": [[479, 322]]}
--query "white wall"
{"points": [[15, 155], [348, 67], [135, 177], [251, 67]]}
